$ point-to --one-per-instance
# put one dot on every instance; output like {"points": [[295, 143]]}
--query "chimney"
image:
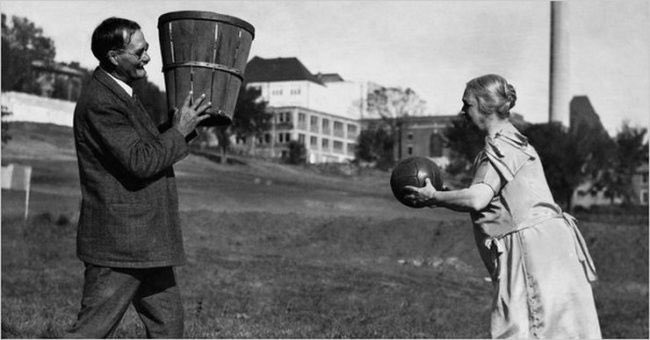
{"points": [[559, 91]]}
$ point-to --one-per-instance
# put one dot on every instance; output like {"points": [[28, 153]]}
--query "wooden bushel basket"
{"points": [[204, 52]]}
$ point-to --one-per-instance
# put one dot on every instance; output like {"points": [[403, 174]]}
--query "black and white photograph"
{"points": [[274, 169]]}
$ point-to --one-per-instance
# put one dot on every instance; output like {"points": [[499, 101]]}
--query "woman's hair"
{"points": [[110, 35], [494, 94]]}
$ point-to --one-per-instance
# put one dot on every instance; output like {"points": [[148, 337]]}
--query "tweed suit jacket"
{"points": [[129, 212]]}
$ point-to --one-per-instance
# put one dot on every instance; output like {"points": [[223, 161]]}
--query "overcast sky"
{"points": [[433, 47]]}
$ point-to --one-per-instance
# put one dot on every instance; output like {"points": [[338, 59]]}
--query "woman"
{"points": [[535, 254]]}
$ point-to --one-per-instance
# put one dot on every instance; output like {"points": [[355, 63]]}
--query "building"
{"points": [[326, 113], [323, 111], [57, 80], [327, 137], [424, 136], [421, 136]]}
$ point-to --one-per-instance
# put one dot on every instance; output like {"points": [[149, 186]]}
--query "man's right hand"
{"points": [[189, 116]]}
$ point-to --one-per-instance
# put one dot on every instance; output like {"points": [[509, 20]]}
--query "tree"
{"points": [[581, 154], [465, 140], [223, 136], [297, 153], [393, 104], [251, 120], [375, 145], [631, 152], [22, 43], [558, 153]]}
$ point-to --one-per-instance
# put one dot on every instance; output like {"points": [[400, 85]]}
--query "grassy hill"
{"points": [[279, 251]]}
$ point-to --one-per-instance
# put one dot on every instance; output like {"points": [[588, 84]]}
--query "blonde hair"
{"points": [[494, 94]]}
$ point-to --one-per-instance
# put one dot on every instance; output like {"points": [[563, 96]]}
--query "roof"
{"points": [[418, 119], [56, 68], [277, 69], [329, 77]]}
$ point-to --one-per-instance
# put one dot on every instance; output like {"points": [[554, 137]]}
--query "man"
{"points": [[129, 235]]}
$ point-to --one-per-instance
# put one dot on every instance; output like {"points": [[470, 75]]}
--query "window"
{"points": [[295, 91], [276, 92], [284, 117], [325, 144], [338, 146], [326, 126], [313, 141], [302, 121], [644, 197], [351, 147], [267, 138], [352, 131], [313, 124], [284, 137], [410, 150], [436, 144], [644, 178], [410, 136], [301, 138], [338, 129]]}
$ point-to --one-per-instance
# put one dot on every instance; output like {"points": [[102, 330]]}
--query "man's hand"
{"points": [[189, 116]]}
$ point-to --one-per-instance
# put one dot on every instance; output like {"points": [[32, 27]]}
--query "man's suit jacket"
{"points": [[129, 211]]}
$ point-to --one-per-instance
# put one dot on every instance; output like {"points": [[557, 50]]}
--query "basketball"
{"points": [[413, 171]]}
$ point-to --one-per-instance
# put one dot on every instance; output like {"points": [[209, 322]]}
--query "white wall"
{"points": [[344, 99], [32, 108], [285, 93]]}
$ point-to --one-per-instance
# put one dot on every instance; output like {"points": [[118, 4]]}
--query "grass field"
{"points": [[276, 251]]}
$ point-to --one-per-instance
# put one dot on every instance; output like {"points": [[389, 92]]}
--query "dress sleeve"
{"points": [[506, 158], [484, 172]]}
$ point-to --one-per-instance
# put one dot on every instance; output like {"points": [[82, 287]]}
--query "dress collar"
{"points": [[509, 134]]}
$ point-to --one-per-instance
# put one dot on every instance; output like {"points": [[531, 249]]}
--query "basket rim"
{"points": [[205, 15]]}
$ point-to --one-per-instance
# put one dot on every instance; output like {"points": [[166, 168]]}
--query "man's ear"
{"points": [[112, 57]]}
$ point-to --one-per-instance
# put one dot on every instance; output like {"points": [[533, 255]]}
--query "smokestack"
{"points": [[559, 91]]}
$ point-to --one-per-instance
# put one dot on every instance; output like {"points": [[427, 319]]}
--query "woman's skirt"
{"points": [[542, 280]]}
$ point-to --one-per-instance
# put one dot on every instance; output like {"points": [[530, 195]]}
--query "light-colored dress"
{"points": [[539, 263]]}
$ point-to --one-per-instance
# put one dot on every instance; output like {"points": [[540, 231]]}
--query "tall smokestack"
{"points": [[559, 91]]}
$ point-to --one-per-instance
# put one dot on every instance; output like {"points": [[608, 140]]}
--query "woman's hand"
{"points": [[422, 196]]}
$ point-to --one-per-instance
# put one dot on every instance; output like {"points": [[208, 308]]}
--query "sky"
{"points": [[432, 47]]}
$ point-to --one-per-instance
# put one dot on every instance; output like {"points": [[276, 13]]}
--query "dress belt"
{"points": [[495, 244]]}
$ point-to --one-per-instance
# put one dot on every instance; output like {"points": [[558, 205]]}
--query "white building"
{"points": [[323, 111]]}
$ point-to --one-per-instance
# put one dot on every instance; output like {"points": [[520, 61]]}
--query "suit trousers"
{"points": [[107, 293]]}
